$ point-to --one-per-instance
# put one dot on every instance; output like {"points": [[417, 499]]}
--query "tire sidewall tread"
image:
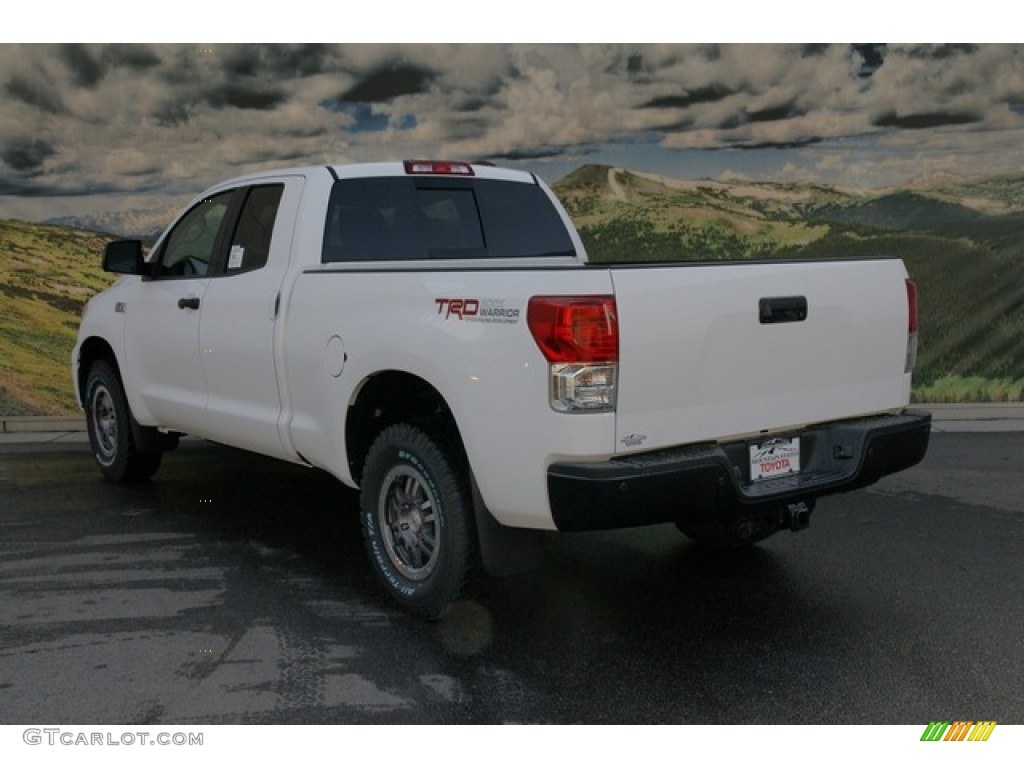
{"points": [[439, 465], [128, 464]]}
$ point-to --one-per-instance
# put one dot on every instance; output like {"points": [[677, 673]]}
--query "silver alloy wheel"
{"points": [[407, 510], [104, 424]]}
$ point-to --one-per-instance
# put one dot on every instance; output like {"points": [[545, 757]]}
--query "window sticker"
{"points": [[235, 257]]}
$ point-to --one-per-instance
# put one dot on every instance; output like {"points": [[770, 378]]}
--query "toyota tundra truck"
{"points": [[432, 334]]}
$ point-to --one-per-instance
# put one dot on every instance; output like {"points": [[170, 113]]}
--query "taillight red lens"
{"points": [[575, 329], [911, 306]]}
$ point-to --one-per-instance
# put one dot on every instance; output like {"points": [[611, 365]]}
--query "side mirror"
{"points": [[124, 257]]}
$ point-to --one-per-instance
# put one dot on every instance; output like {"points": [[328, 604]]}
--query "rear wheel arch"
{"points": [[395, 397], [417, 517]]}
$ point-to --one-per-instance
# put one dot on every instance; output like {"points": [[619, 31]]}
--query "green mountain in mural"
{"points": [[962, 243], [46, 275]]}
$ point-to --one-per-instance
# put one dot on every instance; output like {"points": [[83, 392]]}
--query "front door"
{"points": [[163, 363]]}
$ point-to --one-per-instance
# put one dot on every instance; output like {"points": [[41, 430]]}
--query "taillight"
{"points": [[575, 329], [579, 337], [438, 167], [911, 359], [911, 306]]}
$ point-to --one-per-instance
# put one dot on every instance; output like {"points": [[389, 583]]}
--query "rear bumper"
{"points": [[710, 482]]}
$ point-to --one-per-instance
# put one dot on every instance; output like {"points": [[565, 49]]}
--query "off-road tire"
{"points": [[717, 536], [109, 423], [417, 518]]}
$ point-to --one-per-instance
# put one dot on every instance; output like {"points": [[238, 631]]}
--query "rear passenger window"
{"points": [[409, 219], [250, 245]]}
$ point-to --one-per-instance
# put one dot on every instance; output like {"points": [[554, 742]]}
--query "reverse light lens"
{"points": [[583, 388]]}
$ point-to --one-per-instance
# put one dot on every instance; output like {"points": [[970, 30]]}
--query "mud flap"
{"points": [[149, 440], [505, 551]]}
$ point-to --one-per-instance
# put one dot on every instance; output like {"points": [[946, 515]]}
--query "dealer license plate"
{"points": [[775, 458]]}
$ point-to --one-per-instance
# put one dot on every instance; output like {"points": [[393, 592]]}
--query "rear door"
{"points": [[711, 351], [239, 320]]}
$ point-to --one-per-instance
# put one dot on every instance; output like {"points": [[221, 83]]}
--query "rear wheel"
{"points": [[417, 522], [718, 538], [738, 534], [108, 420], [752, 526]]}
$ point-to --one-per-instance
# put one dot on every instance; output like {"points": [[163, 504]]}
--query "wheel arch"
{"points": [[91, 350], [392, 397]]}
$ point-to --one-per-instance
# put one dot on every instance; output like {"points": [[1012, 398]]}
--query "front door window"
{"points": [[191, 245]]}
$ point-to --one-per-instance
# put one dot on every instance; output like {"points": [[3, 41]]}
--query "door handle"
{"points": [[782, 309], [188, 302]]}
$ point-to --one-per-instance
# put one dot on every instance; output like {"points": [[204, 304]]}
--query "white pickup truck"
{"points": [[432, 334]]}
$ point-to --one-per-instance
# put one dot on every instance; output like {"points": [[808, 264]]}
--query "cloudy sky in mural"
{"points": [[119, 125]]}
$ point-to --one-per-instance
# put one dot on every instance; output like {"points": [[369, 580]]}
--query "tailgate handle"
{"points": [[783, 309]]}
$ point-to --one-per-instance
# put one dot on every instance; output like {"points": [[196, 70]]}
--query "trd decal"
{"points": [[460, 308], [477, 310]]}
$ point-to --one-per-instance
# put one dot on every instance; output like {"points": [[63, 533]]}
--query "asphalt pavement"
{"points": [[235, 589]]}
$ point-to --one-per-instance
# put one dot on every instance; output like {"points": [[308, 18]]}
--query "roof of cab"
{"points": [[482, 171], [364, 170]]}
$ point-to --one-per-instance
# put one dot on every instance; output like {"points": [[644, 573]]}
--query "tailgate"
{"points": [[714, 351]]}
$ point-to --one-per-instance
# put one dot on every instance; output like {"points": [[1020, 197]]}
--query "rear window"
{"points": [[409, 219]]}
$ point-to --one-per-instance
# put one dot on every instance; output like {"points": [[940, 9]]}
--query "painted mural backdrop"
{"points": [[658, 151]]}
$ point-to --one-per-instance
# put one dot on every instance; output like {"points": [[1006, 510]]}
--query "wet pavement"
{"points": [[235, 589]]}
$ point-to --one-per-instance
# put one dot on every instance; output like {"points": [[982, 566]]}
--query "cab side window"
{"points": [[250, 245], [191, 245]]}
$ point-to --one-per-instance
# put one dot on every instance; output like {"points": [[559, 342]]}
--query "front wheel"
{"points": [[417, 517], [108, 421]]}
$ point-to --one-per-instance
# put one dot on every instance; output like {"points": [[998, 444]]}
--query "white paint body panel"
{"points": [[696, 364], [162, 366], [239, 326], [492, 375]]}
